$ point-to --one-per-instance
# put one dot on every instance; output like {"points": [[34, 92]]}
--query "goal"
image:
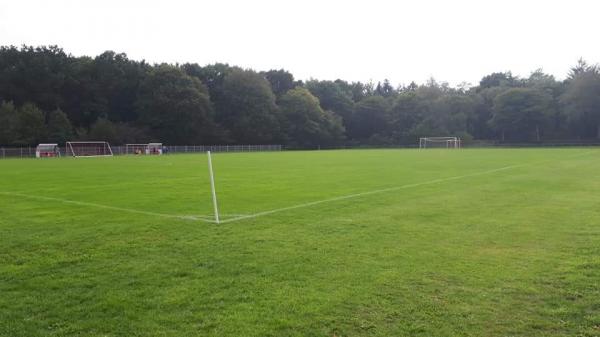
{"points": [[88, 149], [151, 148], [440, 142]]}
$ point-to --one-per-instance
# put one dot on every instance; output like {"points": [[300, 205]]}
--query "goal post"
{"points": [[88, 149], [440, 142]]}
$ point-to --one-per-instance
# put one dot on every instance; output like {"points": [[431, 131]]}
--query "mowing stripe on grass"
{"points": [[362, 194], [390, 189], [239, 217], [89, 204]]}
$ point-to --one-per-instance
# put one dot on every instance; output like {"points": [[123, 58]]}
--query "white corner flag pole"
{"points": [[212, 187]]}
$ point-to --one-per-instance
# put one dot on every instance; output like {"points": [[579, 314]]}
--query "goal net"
{"points": [[440, 142], [88, 149]]}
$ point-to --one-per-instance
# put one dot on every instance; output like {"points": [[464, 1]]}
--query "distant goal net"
{"points": [[440, 142], [88, 149]]}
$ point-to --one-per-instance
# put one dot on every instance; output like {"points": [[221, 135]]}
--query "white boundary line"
{"points": [[308, 204], [389, 189], [204, 218], [89, 204], [361, 194]]}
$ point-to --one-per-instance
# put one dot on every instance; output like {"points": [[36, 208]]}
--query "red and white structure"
{"points": [[135, 148], [154, 149], [47, 150], [89, 149], [440, 142], [150, 149]]}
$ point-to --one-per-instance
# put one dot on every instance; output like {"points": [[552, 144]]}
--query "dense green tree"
{"points": [[520, 114], [103, 130], [582, 102], [117, 80], [59, 127], [357, 91], [370, 117], [582, 67], [249, 109], [213, 76], [406, 112], [134, 134], [31, 127], [305, 122], [453, 112], [481, 128], [83, 101], [557, 127], [385, 89], [8, 123], [222, 103], [333, 96], [175, 107], [116, 133], [281, 81], [499, 80], [33, 74]]}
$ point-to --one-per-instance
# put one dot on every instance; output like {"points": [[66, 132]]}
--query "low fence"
{"points": [[218, 148], [470, 144], [22, 152], [29, 152], [558, 143]]}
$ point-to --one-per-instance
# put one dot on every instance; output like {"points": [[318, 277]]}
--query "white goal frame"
{"points": [[451, 142], [70, 151]]}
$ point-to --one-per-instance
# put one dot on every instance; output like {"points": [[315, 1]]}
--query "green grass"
{"points": [[494, 242]]}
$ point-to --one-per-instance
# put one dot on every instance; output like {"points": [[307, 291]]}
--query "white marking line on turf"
{"points": [[89, 204], [389, 189], [237, 217], [361, 194]]}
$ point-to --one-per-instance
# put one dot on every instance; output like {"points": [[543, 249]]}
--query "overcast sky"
{"points": [[453, 41]]}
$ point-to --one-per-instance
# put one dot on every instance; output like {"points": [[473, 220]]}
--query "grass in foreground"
{"points": [[512, 252]]}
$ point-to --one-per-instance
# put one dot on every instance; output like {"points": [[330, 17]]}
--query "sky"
{"points": [[453, 41]]}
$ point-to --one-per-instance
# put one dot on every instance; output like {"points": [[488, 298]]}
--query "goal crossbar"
{"points": [[80, 149], [450, 142]]}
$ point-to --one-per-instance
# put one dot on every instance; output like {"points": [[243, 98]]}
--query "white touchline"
{"points": [[238, 217], [361, 194], [389, 189], [89, 204]]}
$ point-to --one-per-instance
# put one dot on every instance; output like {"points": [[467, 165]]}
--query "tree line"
{"points": [[48, 95]]}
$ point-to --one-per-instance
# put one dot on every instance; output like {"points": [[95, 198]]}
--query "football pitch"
{"points": [[472, 242]]}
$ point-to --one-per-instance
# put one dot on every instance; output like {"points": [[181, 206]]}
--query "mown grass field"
{"points": [[494, 242]]}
